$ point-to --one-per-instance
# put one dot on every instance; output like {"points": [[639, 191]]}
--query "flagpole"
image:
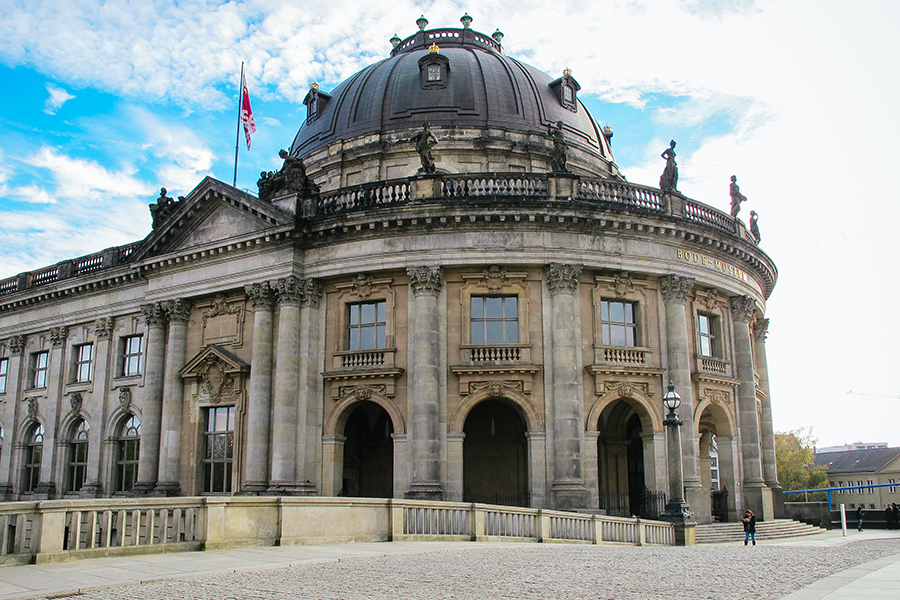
{"points": [[237, 136]]}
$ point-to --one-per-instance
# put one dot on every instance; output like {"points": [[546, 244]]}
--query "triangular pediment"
{"points": [[212, 213], [216, 356]]}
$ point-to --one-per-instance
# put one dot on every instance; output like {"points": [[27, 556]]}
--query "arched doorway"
{"points": [[495, 455], [715, 462], [368, 453]]}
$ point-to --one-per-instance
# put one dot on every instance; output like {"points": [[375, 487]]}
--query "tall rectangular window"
{"points": [[367, 325], [892, 489], [4, 369], [618, 323], [39, 366], [84, 355], [131, 354], [871, 489], [495, 320], [218, 454], [707, 326]]}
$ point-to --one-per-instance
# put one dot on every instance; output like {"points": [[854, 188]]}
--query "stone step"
{"points": [[715, 533]]}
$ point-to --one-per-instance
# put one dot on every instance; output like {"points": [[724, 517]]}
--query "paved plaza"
{"points": [[825, 566]]}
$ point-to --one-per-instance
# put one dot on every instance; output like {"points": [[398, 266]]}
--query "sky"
{"points": [[106, 102]]}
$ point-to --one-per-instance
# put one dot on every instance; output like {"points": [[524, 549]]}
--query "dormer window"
{"points": [[434, 73], [568, 95], [566, 89], [435, 70], [315, 101]]}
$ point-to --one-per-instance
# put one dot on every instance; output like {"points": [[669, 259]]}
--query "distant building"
{"points": [[866, 467], [853, 446]]}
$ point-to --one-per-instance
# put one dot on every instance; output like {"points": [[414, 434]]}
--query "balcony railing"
{"points": [[497, 353], [365, 359], [621, 355], [714, 366]]}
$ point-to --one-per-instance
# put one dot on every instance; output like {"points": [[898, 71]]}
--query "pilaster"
{"points": [[289, 294], [259, 406]]}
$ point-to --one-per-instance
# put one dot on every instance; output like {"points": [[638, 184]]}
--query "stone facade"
{"points": [[505, 336]]}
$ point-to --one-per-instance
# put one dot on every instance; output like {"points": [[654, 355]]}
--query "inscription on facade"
{"points": [[712, 263]]}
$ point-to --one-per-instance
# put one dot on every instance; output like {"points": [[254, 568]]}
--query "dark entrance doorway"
{"points": [[495, 455], [368, 453]]}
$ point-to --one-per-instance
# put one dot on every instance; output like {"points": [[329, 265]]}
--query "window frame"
{"points": [[209, 465], [129, 437], [130, 357], [4, 374], [379, 326], [77, 459], [40, 372], [80, 363], [609, 323], [34, 452], [485, 321], [712, 336]]}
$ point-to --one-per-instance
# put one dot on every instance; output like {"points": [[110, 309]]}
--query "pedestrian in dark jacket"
{"points": [[749, 522], [859, 517]]}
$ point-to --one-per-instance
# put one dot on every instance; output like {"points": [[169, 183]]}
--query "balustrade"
{"points": [[700, 213], [624, 355], [713, 365], [363, 359], [495, 353]]}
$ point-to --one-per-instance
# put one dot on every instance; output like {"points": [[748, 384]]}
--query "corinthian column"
{"points": [[675, 291], [424, 372], [259, 407], [179, 314], [47, 488], [151, 405], [756, 496], [568, 489], [770, 472], [310, 408], [289, 292]]}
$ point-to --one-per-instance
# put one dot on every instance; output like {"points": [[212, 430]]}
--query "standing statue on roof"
{"points": [[560, 149], [668, 181], [736, 197], [754, 228], [425, 141]]}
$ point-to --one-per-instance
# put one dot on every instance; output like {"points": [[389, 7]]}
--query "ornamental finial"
{"points": [[313, 85], [466, 20], [567, 72], [422, 23], [433, 48]]}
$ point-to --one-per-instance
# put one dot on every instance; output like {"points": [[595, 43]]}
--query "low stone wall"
{"points": [[816, 514], [59, 530]]}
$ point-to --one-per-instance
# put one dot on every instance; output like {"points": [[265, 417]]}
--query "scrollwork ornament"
{"points": [[125, 398], [742, 308], [494, 278], [623, 283], [675, 288], [362, 392], [262, 296], [761, 329], [76, 401], [103, 328], [426, 280], [32, 407], [562, 278], [58, 336], [362, 287], [16, 345]]}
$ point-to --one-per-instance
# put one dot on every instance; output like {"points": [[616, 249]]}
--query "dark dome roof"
{"points": [[482, 87]]}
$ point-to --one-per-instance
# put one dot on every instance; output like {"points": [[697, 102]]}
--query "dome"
{"points": [[474, 97]]}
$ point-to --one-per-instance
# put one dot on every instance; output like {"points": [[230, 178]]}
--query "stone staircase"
{"points": [[717, 533]]}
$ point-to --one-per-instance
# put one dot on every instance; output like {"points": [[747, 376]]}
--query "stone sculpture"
{"points": [[291, 179], [668, 181], [425, 141], [754, 227], [736, 197], [560, 149], [163, 207]]}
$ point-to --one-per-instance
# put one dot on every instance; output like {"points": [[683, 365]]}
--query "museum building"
{"points": [[447, 291]]}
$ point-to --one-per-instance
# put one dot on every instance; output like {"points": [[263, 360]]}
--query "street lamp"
{"points": [[677, 510]]}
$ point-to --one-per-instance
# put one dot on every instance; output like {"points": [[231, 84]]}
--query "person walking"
{"points": [[749, 522], [859, 517]]}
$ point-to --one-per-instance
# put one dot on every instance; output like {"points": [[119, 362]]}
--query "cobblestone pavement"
{"points": [[544, 571]]}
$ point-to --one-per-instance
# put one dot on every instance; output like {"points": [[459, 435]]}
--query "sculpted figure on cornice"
{"points": [[262, 296], [426, 280], [291, 179], [563, 278], [103, 328], [675, 288], [742, 308], [761, 329], [58, 336], [154, 314], [164, 207], [559, 157], [16, 345]]}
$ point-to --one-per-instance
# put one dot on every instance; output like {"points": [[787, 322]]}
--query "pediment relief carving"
{"points": [[218, 375]]}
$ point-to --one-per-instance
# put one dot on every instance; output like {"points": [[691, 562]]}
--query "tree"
{"points": [[795, 457]]}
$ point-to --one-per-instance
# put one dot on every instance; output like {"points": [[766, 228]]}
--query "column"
{"points": [[289, 292], [770, 473], [259, 405], [93, 485], [424, 372], [757, 497], [310, 405], [537, 467], [11, 443], [47, 487], [568, 491], [675, 290], [179, 314], [151, 404]]}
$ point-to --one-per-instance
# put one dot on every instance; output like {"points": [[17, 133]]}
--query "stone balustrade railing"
{"points": [[59, 530], [504, 353], [623, 355]]}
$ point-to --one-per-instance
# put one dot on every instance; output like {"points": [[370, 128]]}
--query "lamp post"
{"points": [[677, 510]]}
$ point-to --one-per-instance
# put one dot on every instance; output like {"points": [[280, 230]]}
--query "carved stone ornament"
{"points": [[761, 329], [496, 387], [16, 345], [103, 328], [291, 179], [215, 383], [712, 300], [154, 314], [362, 287], [563, 278], [494, 278], [313, 290], [32, 407], [426, 280], [262, 296], [626, 389], [58, 336], [75, 401], [675, 288], [558, 157], [179, 309], [289, 290], [163, 208], [125, 398], [362, 392], [718, 396], [742, 308], [623, 284]]}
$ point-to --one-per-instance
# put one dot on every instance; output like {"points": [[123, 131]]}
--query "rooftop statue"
{"points": [[668, 181], [736, 197], [425, 141], [560, 149], [754, 227], [163, 207], [291, 179]]}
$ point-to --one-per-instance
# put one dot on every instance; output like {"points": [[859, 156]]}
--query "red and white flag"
{"points": [[246, 112]]}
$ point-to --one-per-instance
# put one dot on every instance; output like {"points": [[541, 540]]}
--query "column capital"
{"points": [[178, 310], [154, 314], [562, 278], [16, 345], [761, 329], [426, 280], [103, 328], [675, 288], [313, 291], [58, 336], [742, 308], [289, 290], [262, 295]]}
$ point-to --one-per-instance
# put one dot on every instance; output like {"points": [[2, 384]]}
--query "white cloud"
{"points": [[58, 97]]}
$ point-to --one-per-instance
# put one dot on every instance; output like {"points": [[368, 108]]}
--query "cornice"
{"points": [[728, 381]]}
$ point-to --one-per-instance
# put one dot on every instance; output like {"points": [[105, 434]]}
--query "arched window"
{"points": [[78, 455], [128, 450], [34, 449]]}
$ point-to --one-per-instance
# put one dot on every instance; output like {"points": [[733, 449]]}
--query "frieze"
{"points": [[675, 288], [562, 278], [103, 328], [497, 387], [261, 294], [626, 389], [718, 396], [426, 280], [742, 308], [361, 392], [712, 263], [58, 336]]}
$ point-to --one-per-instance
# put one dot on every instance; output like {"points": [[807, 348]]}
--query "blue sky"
{"points": [[105, 102]]}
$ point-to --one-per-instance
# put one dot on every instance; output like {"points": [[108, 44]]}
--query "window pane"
{"points": [[704, 347], [704, 324], [367, 338], [381, 341], [221, 419], [478, 332], [512, 332], [629, 312], [354, 339], [617, 312], [477, 308], [493, 308], [382, 312], [511, 309], [494, 332], [354, 314], [368, 313], [604, 310], [605, 331], [618, 335], [629, 336]]}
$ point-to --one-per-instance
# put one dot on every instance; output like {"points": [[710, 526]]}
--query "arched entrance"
{"points": [[715, 462], [495, 455], [368, 453]]}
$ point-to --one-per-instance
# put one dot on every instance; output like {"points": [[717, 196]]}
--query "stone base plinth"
{"points": [[167, 489], [570, 495], [425, 491], [758, 498]]}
